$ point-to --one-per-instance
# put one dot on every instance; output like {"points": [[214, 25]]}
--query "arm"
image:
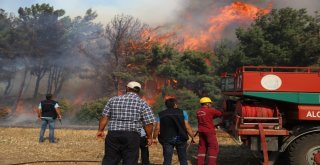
{"points": [[39, 111], [39, 114], [102, 124], [156, 132], [58, 112], [149, 128], [188, 127], [189, 130]]}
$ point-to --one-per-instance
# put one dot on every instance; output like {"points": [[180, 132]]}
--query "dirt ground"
{"points": [[74, 146]]}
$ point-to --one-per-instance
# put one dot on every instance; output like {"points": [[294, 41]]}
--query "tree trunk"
{"points": [[49, 86], [58, 89], [35, 94], [8, 88], [41, 72], [20, 91]]}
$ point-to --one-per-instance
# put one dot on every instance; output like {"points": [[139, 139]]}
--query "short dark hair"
{"points": [[49, 96], [170, 102]]}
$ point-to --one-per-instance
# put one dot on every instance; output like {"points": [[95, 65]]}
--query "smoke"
{"points": [[23, 119], [202, 23], [26, 114], [197, 22], [311, 5]]}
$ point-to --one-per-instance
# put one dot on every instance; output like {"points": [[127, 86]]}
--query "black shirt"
{"points": [[172, 126]]}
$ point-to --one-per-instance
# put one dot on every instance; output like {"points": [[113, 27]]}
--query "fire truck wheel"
{"points": [[305, 150]]}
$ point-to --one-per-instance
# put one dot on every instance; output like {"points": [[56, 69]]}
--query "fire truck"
{"points": [[276, 112]]}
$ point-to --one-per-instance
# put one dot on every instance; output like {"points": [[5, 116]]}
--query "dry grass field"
{"points": [[20, 146]]}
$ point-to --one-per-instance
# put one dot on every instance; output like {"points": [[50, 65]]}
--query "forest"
{"points": [[42, 50]]}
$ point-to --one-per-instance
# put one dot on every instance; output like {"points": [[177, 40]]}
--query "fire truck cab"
{"points": [[276, 112]]}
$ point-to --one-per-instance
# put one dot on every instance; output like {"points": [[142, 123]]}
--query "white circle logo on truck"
{"points": [[271, 82]]}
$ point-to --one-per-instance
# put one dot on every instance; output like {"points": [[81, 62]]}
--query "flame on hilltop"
{"points": [[188, 36], [236, 12], [150, 36]]}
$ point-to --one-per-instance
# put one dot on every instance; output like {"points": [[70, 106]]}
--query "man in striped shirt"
{"points": [[124, 115]]}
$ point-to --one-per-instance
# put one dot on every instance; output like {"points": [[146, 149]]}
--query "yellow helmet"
{"points": [[205, 100]]}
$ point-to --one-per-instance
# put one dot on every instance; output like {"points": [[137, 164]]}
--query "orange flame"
{"points": [[149, 37], [200, 39], [169, 97], [237, 11]]}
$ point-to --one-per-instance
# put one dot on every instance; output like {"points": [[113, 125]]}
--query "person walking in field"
{"points": [[208, 143], [172, 130], [125, 115], [48, 111]]}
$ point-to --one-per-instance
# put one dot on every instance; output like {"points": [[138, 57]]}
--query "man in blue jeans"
{"points": [[172, 130], [48, 112]]}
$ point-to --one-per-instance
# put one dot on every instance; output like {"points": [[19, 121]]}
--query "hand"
{"points": [[59, 117], [100, 135], [149, 141]]}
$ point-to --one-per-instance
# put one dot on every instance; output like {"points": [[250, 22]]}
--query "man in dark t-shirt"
{"points": [[174, 129]]}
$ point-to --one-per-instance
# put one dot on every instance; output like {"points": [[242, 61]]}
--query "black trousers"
{"points": [[121, 145], [144, 149]]}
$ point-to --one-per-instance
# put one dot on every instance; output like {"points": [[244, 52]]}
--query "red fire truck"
{"points": [[276, 112]]}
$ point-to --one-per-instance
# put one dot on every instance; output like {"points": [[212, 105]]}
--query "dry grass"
{"points": [[20, 145]]}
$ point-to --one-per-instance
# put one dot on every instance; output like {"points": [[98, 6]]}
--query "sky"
{"points": [[152, 12], [148, 11]]}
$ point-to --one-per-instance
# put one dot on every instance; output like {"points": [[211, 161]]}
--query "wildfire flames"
{"points": [[188, 37], [210, 31]]}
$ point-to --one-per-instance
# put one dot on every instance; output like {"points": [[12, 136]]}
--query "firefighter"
{"points": [[208, 143]]}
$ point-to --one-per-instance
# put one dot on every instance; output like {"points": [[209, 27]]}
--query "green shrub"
{"points": [[65, 106], [90, 112]]}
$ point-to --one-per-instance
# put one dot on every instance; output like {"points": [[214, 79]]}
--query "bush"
{"points": [[91, 112], [65, 106]]}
